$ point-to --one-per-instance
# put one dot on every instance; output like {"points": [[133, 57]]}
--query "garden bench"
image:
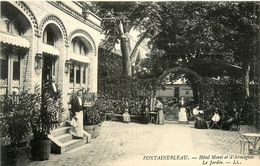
{"points": [[136, 118], [117, 117]]}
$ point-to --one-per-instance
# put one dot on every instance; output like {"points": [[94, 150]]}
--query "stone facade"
{"points": [[56, 32]]}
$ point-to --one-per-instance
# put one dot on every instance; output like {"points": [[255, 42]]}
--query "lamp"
{"points": [[67, 66], [38, 61]]}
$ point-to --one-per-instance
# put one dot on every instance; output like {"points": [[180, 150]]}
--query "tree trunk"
{"points": [[257, 56], [195, 93], [153, 96], [246, 80], [125, 49]]}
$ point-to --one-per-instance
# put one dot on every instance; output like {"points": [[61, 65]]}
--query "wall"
{"points": [[169, 91]]}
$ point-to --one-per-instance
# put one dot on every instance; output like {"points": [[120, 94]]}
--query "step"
{"points": [[64, 138], [75, 143], [60, 131]]}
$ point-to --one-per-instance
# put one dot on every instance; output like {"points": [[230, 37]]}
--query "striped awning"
{"points": [[49, 49], [14, 40], [79, 58]]}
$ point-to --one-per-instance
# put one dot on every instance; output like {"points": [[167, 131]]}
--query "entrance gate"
{"points": [[171, 107]]}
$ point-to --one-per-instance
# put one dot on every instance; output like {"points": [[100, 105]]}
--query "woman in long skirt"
{"points": [[200, 123], [160, 115], [183, 113]]}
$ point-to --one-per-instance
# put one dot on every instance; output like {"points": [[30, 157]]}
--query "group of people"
{"points": [[216, 119], [159, 110], [220, 115], [146, 107]]}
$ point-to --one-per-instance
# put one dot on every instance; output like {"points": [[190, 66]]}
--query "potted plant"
{"points": [[43, 121], [93, 117], [88, 120], [15, 126]]}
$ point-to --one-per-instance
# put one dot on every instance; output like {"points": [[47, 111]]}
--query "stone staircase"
{"points": [[62, 140]]}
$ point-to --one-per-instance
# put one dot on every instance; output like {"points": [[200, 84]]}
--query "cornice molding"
{"points": [[75, 14]]}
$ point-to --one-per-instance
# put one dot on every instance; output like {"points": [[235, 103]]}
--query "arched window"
{"points": [[79, 71], [79, 47], [14, 25], [49, 36], [14, 22]]}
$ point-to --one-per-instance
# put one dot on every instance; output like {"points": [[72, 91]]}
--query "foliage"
{"points": [[99, 111], [211, 38], [170, 108], [17, 112], [96, 113], [49, 115], [91, 116], [204, 30], [110, 79]]}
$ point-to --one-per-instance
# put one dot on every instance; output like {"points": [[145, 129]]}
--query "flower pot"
{"points": [[40, 149], [89, 129], [15, 157]]}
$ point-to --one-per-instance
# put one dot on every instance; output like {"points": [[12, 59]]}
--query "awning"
{"points": [[14, 40], [48, 49], [79, 58]]}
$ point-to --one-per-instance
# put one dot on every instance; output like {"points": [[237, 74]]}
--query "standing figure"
{"points": [[159, 107], [182, 112], [146, 108], [52, 86], [77, 112], [126, 116]]}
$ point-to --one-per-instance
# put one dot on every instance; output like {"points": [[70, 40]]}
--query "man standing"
{"points": [[77, 112], [52, 88]]}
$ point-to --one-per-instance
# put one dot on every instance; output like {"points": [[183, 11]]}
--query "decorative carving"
{"points": [[59, 22], [29, 13], [89, 38]]}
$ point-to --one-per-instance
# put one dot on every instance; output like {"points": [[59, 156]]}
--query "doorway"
{"points": [[48, 69]]}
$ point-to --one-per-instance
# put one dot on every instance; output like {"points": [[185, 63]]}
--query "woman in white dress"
{"points": [[182, 112], [126, 116]]}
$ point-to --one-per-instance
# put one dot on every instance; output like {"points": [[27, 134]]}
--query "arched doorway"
{"points": [[52, 40], [178, 90]]}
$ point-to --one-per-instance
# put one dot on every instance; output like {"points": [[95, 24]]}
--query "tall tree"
{"points": [[118, 19], [239, 19], [217, 33]]}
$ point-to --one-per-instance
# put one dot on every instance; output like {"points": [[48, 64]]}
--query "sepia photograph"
{"points": [[130, 83]]}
